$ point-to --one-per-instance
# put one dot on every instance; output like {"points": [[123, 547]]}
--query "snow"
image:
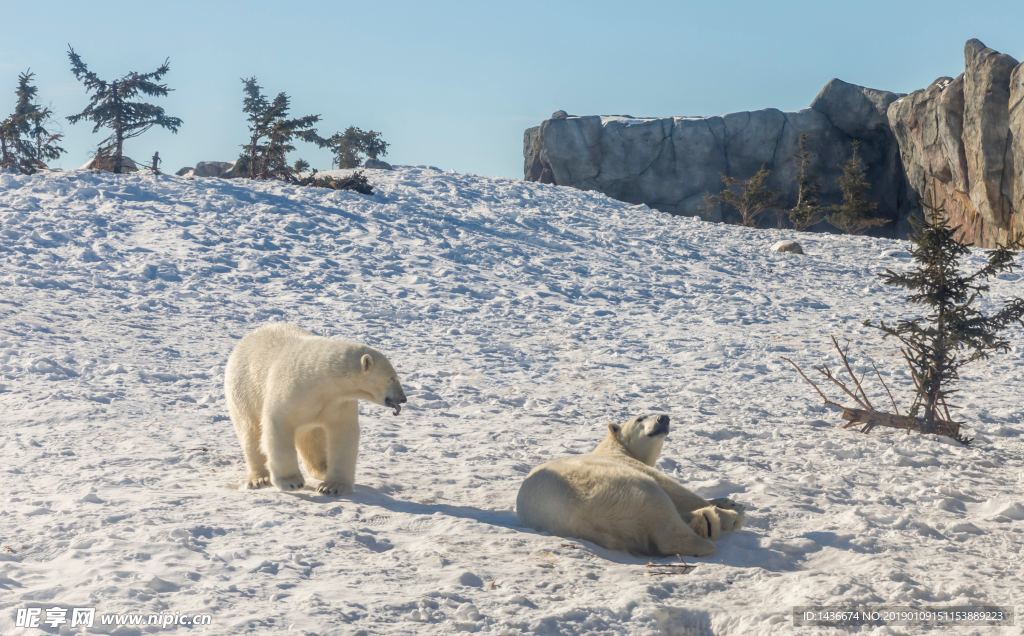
{"points": [[626, 120], [522, 318]]}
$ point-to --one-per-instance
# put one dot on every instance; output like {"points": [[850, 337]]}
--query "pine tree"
{"points": [[853, 215], [25, 143], [374, 145], [751, 197], [272, 132], [112, 106], [347, 147], [350, 146], [808, 210], [953, 333]]}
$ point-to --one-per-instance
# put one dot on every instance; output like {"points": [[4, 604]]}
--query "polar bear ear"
{"points": [[366, 362], [614, 429]]}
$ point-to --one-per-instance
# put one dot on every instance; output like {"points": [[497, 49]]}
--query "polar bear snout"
{"points": [[660, 426], [396, 400]]}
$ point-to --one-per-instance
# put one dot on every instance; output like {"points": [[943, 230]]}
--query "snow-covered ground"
{"points": [[522, 318]]}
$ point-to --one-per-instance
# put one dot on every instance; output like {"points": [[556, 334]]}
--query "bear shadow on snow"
{"points": [[373, 497], [741, 549]]}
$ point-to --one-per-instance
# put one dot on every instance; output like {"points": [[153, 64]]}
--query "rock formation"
{"points": [[960, 140], [673, 163], [962, 146]]}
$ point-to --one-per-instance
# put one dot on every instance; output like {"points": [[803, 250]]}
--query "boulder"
{"points": [[790, 247], [106, 163], [377, 164], [212, 168], [184, 172]]}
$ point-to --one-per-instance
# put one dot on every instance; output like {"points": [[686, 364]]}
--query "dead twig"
{"points": [[886, 387], [658, 569], [865, 416], [849, 370]]}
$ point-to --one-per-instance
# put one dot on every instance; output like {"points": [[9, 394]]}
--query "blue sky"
{"points": [[454, 84]]}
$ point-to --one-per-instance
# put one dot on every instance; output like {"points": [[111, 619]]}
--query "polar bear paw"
{"points": [[730, 520], [731, 514], [258, 482], [334, 488], [706, 523], [290, 482]]}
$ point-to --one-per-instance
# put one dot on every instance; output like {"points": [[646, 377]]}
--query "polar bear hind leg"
{"points": [[673, 536], [312, 445], [247, 430]]}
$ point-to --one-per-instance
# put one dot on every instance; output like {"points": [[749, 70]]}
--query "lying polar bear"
{"points": [[615, 498], [288, 389]]}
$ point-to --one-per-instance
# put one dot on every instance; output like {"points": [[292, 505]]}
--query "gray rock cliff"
{"points": [[959, 142], [673, 163]]}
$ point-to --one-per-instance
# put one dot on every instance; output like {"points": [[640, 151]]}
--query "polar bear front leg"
{"points": [[282, 458], [342, 451]]}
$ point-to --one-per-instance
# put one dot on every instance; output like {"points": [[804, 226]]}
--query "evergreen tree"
{"points": [[808, 210], [112, 105], [853, 215], [374, 145], [272, 132], [751, 197], [951, 334], [954, 332], [25, 143], [349, 147]]}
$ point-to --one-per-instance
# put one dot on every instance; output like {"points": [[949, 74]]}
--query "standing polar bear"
{"points": [[288, 389], [617, 499]]}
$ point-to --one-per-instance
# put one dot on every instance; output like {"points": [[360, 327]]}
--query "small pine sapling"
{"points": [[26, 145], [854, 214], [952, 333], [750, 197], [808, 211], [272, 134]]}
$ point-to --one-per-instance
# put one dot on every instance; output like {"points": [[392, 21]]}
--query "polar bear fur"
{"points": [[617, 499], [289, 390]]}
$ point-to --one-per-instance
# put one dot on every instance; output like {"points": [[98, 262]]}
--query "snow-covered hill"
{"points": [[522, 318]]}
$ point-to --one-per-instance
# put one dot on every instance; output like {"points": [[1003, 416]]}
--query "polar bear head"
{"points": [[378, 381], [642, 436]]}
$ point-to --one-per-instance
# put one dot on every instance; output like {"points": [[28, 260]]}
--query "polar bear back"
{"points": [[282, 359], [593, 497]]}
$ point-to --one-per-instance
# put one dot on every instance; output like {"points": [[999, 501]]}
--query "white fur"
{"points": [[617, 499], [289, 390]]}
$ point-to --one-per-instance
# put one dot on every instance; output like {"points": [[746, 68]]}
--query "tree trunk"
{"points": [[252, 156], [118, 152], [118, 130]]}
